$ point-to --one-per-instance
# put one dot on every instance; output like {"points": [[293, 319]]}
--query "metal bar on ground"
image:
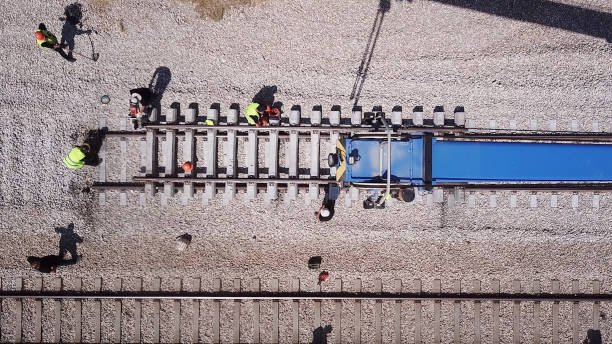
{"points": [[575, 326], [596, 305], [292, 157], [231, 163], [216, 313], [252, 165], [151, 167], [437, 306], [195, 307], [123, 162], [275, 333], [317, 308], [210, 152], [536, 314], [78, 312], [18, 312], [256, 312], [189, 155], [555, 313], [495, 289], [236, 321], [272, 160], [357, 320], [97, 323], [137, 311], [323, 129], [118, 284], [142, 197], [315, 149], [102, 165], [57, 310], [338, 313], [295, 312], [37, 317], [516, 313], [317, 296], [156, 310], [417, 288], [477, 310], [397, 314], [457, 314], [378, 313], [176, 312]]}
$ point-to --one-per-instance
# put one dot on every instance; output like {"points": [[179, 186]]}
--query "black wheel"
{"points": [[407, 195], [332, 159]]}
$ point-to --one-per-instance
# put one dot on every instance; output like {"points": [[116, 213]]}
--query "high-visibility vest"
{"points": [[251, 113], [75, 158], [49, 38]]}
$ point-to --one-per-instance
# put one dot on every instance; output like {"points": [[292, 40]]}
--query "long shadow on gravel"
{"points": [[545, 12], [73, 15], [158, 84], [362, 73]]}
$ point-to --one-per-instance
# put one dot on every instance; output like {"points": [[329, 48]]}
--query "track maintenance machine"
{"points": [[390, 162]]}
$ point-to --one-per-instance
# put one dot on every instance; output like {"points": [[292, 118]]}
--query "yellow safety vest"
{"points": [[75, 158], [49, 38], [251, 113]]}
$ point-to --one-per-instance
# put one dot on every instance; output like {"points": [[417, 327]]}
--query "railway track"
{"points": [[284, 161], [272, 311]]}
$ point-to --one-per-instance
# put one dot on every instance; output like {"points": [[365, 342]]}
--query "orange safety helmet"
{"points": [[187, 166], [39, 36]]}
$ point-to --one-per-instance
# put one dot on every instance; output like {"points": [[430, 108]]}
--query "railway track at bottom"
{"points": [[289, 311]]}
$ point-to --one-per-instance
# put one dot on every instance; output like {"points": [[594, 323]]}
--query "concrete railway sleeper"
{"points": [[288, 157], [255, 311]]}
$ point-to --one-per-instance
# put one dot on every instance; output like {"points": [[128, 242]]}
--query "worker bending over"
{"points": [[87, 153], [140, 105], [255, 115], [48, 41], [262, 115]]}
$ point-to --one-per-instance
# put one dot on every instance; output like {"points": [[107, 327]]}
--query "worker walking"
{"points": [[48, 41]]}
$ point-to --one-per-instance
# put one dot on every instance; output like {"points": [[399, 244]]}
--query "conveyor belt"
{"points": [[462, 161]]}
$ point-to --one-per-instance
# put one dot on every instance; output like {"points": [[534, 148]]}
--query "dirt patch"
{"points": [[100, 6], [215, 9]]}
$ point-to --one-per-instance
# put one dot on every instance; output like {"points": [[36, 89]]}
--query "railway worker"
{"points": [[141, 100], [77, 156], [48, 41], [80, 156], [255, 114]]}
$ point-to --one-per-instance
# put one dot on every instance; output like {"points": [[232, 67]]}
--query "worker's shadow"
{"points": [[158, 84], [73, 15], [265, 96], [68, 241], [319, 335]]}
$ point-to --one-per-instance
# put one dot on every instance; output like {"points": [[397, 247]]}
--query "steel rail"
{"points": [[240, 183], [304, 132], [318, 296], [321, 129], [231, 180]]}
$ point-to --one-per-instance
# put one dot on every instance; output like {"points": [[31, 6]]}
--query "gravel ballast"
{"points": [[427, 53]]}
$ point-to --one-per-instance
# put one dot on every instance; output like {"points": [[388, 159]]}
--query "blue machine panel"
{"points": [[458, 161], [370, 157]]}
